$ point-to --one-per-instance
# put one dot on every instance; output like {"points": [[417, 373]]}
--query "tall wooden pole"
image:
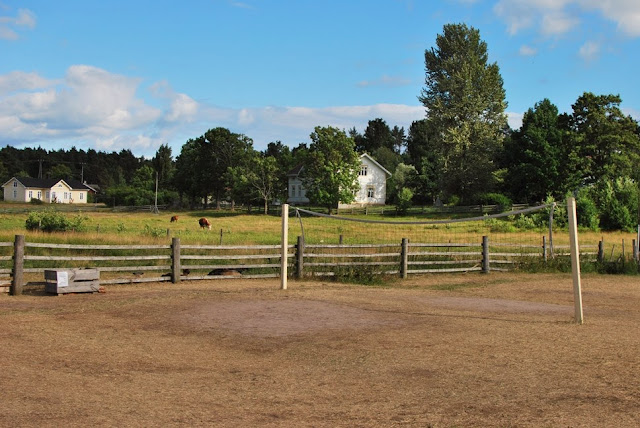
{"points": [[285, 247], [575, 260]]}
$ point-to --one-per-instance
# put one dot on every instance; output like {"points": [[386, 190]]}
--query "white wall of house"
{"points": [[61, 192], [373, 184], [297, 193], [372, 190]]}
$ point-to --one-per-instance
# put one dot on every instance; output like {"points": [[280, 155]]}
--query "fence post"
{"points": [[601, 251], [404, 258], [340, 240], [553, 207], [221, 236], [544, 248], [175, 260], [635, 250], [18, 266], [485, 254], [284, 249], [300, 258]]}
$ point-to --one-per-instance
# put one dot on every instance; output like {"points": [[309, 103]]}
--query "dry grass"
{"points": [[442, 351]]}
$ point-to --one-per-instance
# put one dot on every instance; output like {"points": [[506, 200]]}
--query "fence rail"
{"points": [[120, 264]]}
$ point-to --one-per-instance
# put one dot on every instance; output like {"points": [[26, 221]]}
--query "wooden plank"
{"points": [[450, 244], [450, 253], [329, 255], [234, 257], [132, 268], [444, 262], [231, 247], [347, 246], [239, 266], [471, 269], [98, 247], [85, 258], [353, 264]]}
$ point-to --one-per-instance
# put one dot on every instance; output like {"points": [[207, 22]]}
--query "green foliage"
{"points": [[525, 222], [34, 201], [404, 200], [534, 155], [500, 225], [495, 199], [155, 232], [617, 201], [365, 275], [52, 221], [587, 212], [465, 98], [331, 170]]}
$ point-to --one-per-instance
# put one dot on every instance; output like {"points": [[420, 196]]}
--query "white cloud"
{"points": [[10, 24], [557, 17], [515, 120], [589, 51], [527, 51], [90, 107], [385, 80]]}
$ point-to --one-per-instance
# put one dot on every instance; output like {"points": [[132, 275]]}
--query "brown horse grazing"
{"points": [[204, 223], [174, 218]]}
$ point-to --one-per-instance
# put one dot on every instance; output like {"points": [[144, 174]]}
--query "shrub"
{"points": [[36, 202], [404, 200], [51, 221], [495, 199], [587, 212]]}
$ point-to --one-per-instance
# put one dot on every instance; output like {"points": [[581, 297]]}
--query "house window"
{"points": [[15, 194], [53, 197], [363, 170], [300, 190], [39, 194], [370, 192], [47, 195], [15, 184], [81, 196], [30, 194]]}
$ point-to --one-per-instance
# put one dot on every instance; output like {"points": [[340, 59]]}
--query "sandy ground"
{"points": [[440, 351]]}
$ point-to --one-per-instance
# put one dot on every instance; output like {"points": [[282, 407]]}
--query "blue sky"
{"points": [[138, 74]]}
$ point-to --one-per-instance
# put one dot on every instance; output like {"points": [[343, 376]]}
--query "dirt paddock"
{"points": [[441, 351]]}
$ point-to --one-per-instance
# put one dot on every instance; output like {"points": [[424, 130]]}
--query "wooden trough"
{"points": [[62, 281]]}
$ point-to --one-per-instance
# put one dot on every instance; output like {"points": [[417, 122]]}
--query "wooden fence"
{"points": [[120, 264]]}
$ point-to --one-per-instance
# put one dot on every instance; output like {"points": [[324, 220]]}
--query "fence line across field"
{"points": [[135, 262]]}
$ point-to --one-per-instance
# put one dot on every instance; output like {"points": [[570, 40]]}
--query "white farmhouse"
{"points": [[24, 189], [372, 179]]}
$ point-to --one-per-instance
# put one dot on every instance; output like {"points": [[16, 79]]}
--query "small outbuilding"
{"points": [[48, 190]]}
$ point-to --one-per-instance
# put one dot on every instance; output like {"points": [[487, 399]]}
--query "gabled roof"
{"points": [[47, 183], [298, 168], [376, 163]]}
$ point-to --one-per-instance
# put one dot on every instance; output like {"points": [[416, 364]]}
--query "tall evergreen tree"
{"points": [[465, 100], [534, 155]]}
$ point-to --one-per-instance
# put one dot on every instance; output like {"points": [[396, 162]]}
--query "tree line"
{"points": [[462, 152]]}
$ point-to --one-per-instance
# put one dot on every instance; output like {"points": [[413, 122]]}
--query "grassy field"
{"points": [[435, 351], [239, 228]]}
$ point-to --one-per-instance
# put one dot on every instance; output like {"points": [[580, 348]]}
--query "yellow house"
{"points": [[48, 190]]}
